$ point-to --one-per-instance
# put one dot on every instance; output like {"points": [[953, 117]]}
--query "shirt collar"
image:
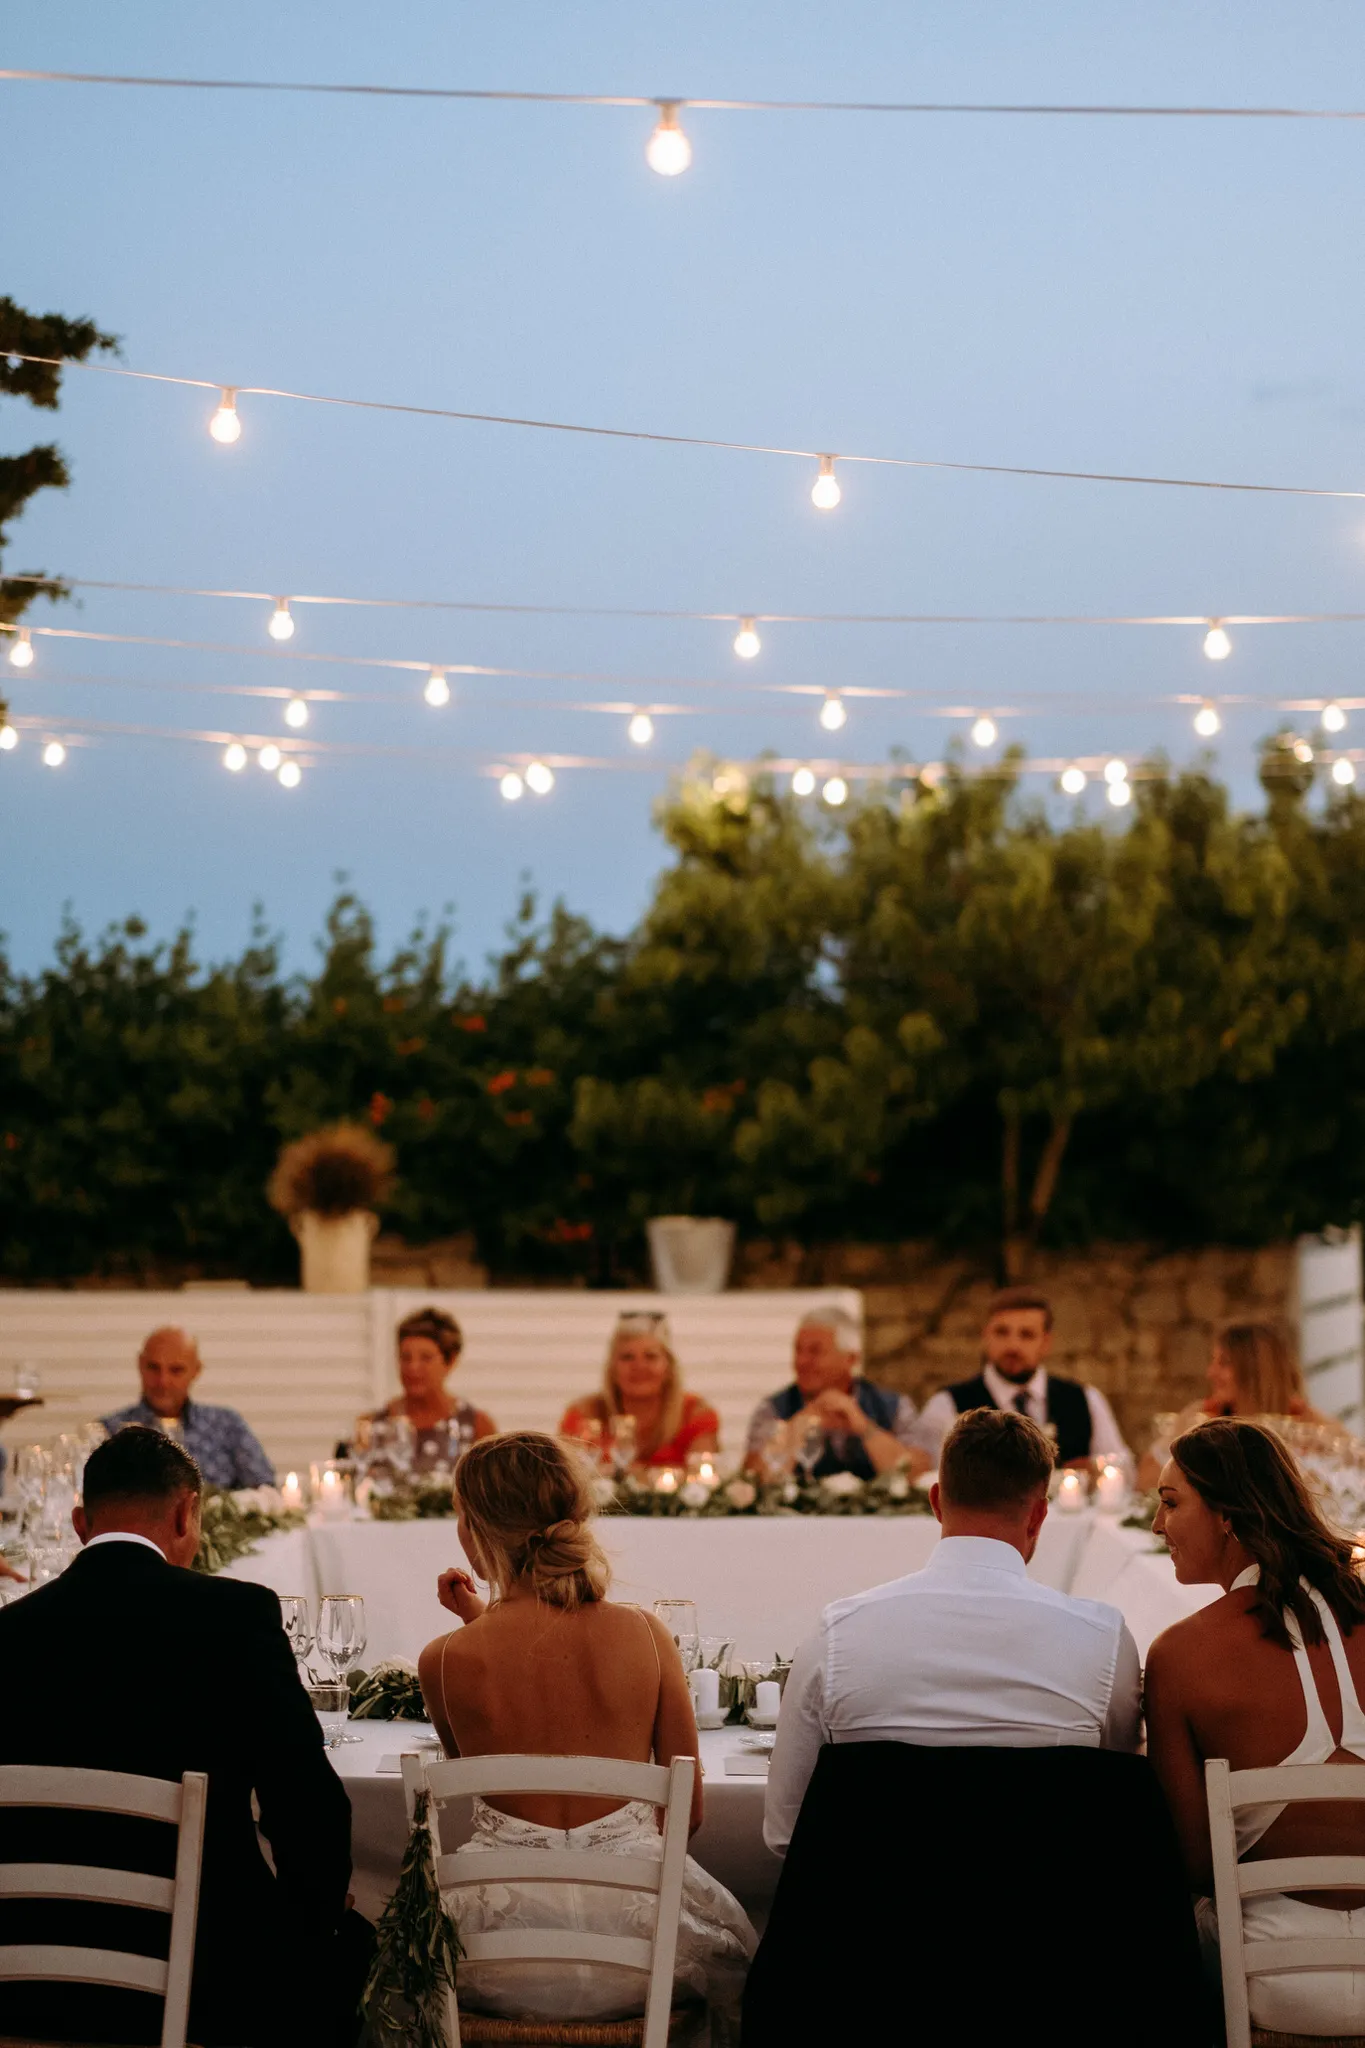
{"points": [[1003, 1391], [127, 1536], [155, 1421], [976, 1553]]}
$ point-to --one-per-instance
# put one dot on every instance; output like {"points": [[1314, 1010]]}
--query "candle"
{"points": [[1071, 1493], [667, 1481], [707, 1473], [332, 1494], [767, 1699], [1111, 1488], [291, 1493], [705, 1685]]}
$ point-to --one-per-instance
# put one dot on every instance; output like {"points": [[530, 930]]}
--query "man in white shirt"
{"points": [[969, 1652], [1015, 1344]]}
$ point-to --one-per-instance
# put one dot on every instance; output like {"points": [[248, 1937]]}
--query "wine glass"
{"points": [[298, 1626], [679, 1617], [810, 1448], [623, 1444], [341, 1635]]}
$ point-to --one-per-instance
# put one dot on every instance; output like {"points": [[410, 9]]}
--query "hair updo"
{"points": [[528, 1505], [440, 1329]]}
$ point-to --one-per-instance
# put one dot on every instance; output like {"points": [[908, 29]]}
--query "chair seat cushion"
{"points": [[485, 2027]]}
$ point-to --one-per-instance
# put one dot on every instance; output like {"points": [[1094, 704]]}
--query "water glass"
{"points": [[46, 1561], [298, 1626], [341, 1635], [28, 1379], [624, 1444], [679, 1617], [332, 1704]]}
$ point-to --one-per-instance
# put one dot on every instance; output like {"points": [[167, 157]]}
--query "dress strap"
{"points": [[1352, 1716]]}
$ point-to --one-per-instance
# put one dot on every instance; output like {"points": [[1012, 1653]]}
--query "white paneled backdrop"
{"points": [[301, 1367]]}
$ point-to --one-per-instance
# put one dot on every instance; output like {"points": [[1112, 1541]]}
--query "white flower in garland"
{"points": [[898, 1487], [741, 1493], [841, 1484], [695, 1494]]}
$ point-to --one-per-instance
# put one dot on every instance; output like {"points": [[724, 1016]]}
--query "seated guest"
{"points": [[1251, 1372], [1014, 1344], [1273, 1673], [552, 1668], [129, 1662], [429, 1347], [218, 1440], [642, 1387], [867, 1429], [969, 1652]]}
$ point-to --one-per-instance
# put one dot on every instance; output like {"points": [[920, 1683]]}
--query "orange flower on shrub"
{"points": [[393, 1004], [407, 1046], [468, 1023], [500, 1083], [563, 1232], [380, 1106], [539, 1077], [517, 1116], [426, 1109]]}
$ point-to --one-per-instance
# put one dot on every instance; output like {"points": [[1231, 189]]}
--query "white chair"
{"points": [[1287, 1785], [668, 1786], [182, 1805]]}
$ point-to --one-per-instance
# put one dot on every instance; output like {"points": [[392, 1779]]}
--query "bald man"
{"points": [[217, 1439]]}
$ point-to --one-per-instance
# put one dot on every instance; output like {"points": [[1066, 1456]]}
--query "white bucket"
{"points": [[335, 1250], [690, 1254]]}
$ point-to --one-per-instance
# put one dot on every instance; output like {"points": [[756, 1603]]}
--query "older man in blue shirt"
{"points": [[217, 1439]]}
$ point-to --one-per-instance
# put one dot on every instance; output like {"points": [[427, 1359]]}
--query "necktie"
{"points": [[1021, 1401]]}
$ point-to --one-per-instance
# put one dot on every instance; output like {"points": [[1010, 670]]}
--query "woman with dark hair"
{"points": [[441, 1424], [1273, 1673]]}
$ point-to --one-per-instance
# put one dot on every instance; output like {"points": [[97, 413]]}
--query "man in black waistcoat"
{"points": [[129, 1662], [1014, 1345]]}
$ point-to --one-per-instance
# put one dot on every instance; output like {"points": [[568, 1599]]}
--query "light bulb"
{"points": [[1073, 780], [1116, 771], [1206, 720], [511, 786], [225, 425], [539, 778], [234, 758], [835, 790], [1119, 794], [437, 691], [747, 642], [296, 713], [1333, 718], [825, 493], [833, 716], [984, 733], [803, 782], [1217, 645], [668, 150], [9, 739], [281, 621], [1303, 753], [1344, 772], [21, 653], [54, 753], [641, 729], [269, 757], [291, 775]]}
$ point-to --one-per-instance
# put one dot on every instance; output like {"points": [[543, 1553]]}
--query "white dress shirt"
{"points": [[939, 1413], [968, 1652], [125, 1536]]}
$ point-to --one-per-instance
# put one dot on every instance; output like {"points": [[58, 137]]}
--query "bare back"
{"points": [[527, 1678]]}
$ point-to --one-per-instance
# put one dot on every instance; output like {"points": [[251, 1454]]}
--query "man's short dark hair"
{"points": [[137, 1463], [994, 1460], [1011, 1298]]}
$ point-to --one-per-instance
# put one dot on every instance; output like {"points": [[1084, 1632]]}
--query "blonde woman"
{"points": [[1251, 1372], [642, 1382], [549, 1667]]}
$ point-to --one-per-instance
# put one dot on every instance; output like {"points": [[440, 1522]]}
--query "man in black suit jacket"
{"points": [[129, 1662]]}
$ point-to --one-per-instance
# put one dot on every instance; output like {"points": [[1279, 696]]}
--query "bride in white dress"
{"points": [[549, 1667]]}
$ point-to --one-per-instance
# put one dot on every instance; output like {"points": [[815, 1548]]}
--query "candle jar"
{"points": [[1111, 1488], [292, 1494], [1071, 1493], [332, 1488], [667, 1480]]}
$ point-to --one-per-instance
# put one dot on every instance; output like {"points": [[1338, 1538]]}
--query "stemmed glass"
{"points": [[679, 1617], [811, 1448], [341, 1635], [298, 1626], [623, 1444]]}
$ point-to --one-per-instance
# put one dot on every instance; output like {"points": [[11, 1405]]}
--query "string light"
{"points": [[296, 713], [1344, 772], [1217, 645], [825, 492], [539, 778], [1333, 718], [225, 425], [291, 775], [437, 691], [269, 757], [1303, 753], [833, 715], [984, 732], [1119, 794], [281, 620], [54, 753], [1073, 780], [234, 758], [641, 729], [21, 652], [747, 642], [803, 782], [835, 791], [668, 150], [1115, 771], [1206, 720], [9, 739], [511, 786]]}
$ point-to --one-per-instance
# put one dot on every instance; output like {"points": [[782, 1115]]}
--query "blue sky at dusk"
{"points": [[1183, 298]]}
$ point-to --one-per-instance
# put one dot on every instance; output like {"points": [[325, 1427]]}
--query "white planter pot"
{"points": [[690, 1254], [335, 1250]]}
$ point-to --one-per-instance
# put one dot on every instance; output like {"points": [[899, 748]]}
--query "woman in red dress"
{"points": [[642, 1391]]}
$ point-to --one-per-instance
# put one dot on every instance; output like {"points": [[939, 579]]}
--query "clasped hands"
{"points": [[457, 1592]]}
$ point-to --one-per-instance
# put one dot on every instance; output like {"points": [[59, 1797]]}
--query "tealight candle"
{"points": [[332, 1494], [667, 1481], [1071, 1493], [767, 1699], [707, 1473], [705, 1685], [291, 1493], [1111, 1488]]}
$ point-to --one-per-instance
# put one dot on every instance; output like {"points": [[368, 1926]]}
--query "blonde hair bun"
{"points": [[528, 1504]]}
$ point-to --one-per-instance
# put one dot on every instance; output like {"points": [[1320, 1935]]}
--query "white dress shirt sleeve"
{"points": [[935, 1419], [1123, 1722], [1106, 1439], [801, 1733]]}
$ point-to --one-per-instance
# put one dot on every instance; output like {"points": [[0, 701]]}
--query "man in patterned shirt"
{"points": [[217, 1439]]}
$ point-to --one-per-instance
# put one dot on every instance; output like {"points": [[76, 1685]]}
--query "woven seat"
{"points": [[1261, 2037], [484, 2027]]}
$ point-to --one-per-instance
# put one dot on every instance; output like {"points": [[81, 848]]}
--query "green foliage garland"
{"points": [[391, 1692], [417, 1950], [233, 1524]]}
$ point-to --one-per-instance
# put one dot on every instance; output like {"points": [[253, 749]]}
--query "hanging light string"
{"points": [[824, 494]]}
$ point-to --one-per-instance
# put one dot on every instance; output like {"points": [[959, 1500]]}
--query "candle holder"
{"points": [[1072, 1493], [1111, 1487], [334, 1488]]}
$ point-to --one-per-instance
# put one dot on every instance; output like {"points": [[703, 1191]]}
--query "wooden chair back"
{"points": [[182, 1807]]}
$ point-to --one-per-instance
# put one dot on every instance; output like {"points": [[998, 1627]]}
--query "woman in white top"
{"points": [[1273, 1673], [549, 1667]]}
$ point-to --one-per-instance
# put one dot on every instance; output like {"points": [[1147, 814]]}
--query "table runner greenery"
{"points": [[391, 1692], [692, 1500], [234, 1523]]}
